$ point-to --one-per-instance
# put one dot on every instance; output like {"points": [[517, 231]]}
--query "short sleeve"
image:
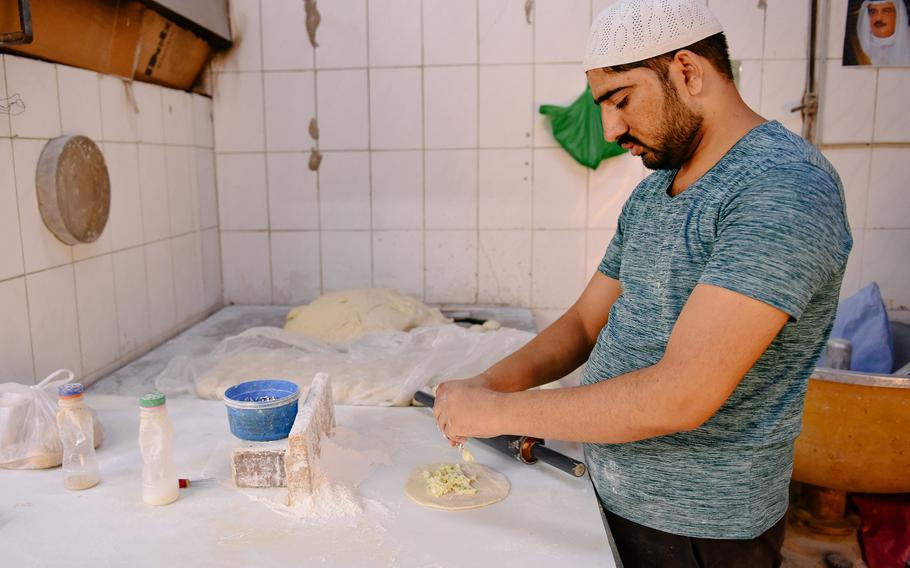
{"points": [[782, 238], [612, 260]]}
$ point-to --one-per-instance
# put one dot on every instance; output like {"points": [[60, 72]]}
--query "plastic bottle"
{"points": [[156, 441], [77, 434]]}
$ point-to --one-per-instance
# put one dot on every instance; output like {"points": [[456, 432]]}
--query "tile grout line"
{"points": [[108, 224], [28, 313], [423, 156], [865, 221], [71, 263], [213, 163], [142, 245], [170, 220], [871, 153], [430, 65], [319, 239], [477, 157], [369, 94], [265, 160], [862, 252], [588, 180], [8, 116], [533, 159]]}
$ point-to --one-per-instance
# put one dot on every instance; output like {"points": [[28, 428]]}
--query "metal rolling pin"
{"points": [[525, 449]]}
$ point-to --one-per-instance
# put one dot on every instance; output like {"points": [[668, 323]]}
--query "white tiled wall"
{"points": [[156, 267], [865, 132], [440, 178]]}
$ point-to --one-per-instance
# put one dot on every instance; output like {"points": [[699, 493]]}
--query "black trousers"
{"points": [[643, 547]]}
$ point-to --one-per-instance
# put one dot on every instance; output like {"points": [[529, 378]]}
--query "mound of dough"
{"points": [[490, 485], [346, 315]]}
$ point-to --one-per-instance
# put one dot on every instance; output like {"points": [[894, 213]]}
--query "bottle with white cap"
{"points": [[77, 434], [156, 440]]}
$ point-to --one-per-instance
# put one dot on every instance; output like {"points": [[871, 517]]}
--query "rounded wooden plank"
{"points": [[74, 190]]}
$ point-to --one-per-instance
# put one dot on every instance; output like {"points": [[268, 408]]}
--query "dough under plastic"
{"points": [[492, 487], [346, 315]]}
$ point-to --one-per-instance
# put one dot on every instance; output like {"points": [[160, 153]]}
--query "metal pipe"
{"points": [[24, 35], [809, 105]]}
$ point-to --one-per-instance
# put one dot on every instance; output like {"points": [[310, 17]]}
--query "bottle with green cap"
{"points": [[156, 441], [77, 435]]}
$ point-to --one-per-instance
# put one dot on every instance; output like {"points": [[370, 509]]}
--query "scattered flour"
{"points": [[345, 461], [328, 502]]}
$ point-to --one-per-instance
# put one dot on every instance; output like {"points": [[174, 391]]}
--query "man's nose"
{"points": [[613, 125]]}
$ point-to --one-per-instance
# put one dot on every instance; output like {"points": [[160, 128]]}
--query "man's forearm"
{"points": [[630, 407], [557, 351], [718, 337]]}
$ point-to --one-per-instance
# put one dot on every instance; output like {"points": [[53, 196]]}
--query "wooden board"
{"points": [[74, 191], [116, 37]]}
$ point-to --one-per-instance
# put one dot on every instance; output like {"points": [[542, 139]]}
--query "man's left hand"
{"points": [[464, 409]]}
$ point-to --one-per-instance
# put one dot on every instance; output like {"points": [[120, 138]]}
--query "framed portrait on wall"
{"points": [[877, 33]]}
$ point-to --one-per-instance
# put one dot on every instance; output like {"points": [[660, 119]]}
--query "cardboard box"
{"points": [[115, 37], [169, 54], [93, 34]]}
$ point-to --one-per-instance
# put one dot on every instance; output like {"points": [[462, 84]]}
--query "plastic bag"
{"points": [[379, 369], [862, 320], [579, 130], [28, 423]]}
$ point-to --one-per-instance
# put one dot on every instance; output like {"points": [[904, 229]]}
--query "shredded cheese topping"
{"points": [[449, 479]]}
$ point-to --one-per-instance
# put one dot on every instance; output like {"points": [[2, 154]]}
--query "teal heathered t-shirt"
{"points": [[767, 221]]}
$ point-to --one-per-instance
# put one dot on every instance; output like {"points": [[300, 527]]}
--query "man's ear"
{"points": [[693, 71]]}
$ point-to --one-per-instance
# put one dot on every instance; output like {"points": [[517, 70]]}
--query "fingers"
{"points": [[446, 428], [443, 421]]}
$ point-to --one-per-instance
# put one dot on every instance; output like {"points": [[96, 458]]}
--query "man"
{"points": [[701, 326], [883, 33]]}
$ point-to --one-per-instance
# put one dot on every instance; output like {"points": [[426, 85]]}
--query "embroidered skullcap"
{"points": [[634, 30]]}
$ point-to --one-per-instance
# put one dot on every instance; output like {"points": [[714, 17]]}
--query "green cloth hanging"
{"points": [[580, 132]]}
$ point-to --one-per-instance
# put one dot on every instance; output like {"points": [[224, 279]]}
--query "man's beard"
{"points": [[676, 133]]}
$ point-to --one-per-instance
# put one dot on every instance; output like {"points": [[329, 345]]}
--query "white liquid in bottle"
{"points": [[156, 440]]}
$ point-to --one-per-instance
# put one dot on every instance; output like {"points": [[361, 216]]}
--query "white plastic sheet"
{"points": [[379, 369]]}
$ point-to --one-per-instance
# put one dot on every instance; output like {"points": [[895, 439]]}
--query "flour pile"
{"points": [[329, 502]]}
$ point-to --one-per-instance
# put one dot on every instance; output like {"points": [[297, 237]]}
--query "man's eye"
{"points": [[622, 103]]}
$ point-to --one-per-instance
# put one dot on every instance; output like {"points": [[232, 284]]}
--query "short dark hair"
{"points": [[713, 48]]}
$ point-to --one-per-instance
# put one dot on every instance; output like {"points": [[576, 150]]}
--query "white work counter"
{"points": [[549, 518]]}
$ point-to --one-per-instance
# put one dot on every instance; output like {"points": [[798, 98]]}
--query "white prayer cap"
{"points": [[635, 30]]}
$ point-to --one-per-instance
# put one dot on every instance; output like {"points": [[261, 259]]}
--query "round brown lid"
{"points": [[74, 191]]}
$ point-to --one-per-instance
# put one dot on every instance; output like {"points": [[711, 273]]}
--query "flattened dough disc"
{"points": [[492, 487]]}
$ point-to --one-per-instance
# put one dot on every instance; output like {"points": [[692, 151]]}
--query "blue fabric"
{"points": [[863, 320], [766, 221]]}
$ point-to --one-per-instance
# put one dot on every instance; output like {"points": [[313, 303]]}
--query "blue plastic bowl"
{"points": [[261, 411]]}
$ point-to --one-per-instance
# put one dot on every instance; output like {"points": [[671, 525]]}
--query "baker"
{"points": [[703, 322]]}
